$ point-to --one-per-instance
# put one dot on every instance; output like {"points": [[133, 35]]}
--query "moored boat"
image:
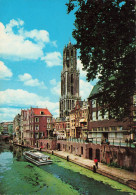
{"points": [[37, 157]]}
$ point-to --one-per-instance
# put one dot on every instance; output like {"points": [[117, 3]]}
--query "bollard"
{"points": [[67, 158], [94, 169], [52, 153]]}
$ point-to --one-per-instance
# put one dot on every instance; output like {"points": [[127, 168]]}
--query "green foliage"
{"points": [[113, 164], [105, 34]]}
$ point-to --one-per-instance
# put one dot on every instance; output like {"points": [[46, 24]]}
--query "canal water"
{"points": [[17, 176]]}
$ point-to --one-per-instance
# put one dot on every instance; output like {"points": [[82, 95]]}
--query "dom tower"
{"points": [[69, 81]]}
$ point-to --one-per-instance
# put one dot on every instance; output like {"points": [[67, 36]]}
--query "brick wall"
{"points": [[120, 156]]}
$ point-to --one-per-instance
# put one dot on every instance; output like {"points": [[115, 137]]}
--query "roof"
{"points": [[37, 111], [95, 90]]}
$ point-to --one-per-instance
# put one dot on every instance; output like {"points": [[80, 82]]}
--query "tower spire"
{"points": [[69, 81]]}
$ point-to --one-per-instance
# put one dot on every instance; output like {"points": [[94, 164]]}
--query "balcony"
{"points": [[114, 142]]}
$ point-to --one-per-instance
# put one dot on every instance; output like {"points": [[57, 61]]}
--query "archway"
{"points": [[98, 154], [90, 153]]}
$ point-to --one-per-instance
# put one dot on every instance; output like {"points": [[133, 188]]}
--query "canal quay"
{"points": [[18, 176]]}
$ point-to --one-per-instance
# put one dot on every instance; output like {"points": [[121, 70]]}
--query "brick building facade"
{"points": [[102, 128], [32, 125]]}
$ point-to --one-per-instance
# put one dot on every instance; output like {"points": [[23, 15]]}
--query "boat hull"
{"points": [[36, 162]]}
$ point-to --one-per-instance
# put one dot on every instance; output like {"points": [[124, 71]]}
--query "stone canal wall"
{"points": [[117, 156]]}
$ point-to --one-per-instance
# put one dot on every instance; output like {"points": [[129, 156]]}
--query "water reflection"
{"points": [[17, 153]]}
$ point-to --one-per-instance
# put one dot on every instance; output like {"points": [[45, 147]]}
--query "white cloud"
{"points": [[53, 59], [5, 72], [25, 77], [80, 66], [54, 43], [8, 114], [85, 89], [41, 36], [56, 90], [53, 82], [12, 24], [22, 44], [24, 99], [29, 81], [56, 113]]}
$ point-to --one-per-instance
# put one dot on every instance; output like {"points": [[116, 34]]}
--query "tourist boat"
{"points": [[37, 157]]}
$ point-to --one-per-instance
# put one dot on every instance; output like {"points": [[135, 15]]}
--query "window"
{"points": [[106, 128], [71, 61], [72, 90], [100, 128], [94, 135], [36, 119], [134, 100], [106, 115], [48, 120], [113, 128], [99, 135], [71, 52], [100, 115], [48, 126], [42, 112], [94, 116], [134, 115], [93, 103], [81, 150], [112, 135], [119, 135], [71, 78], [36, 127]]}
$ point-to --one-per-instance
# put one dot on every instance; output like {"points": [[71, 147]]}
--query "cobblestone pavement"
{"points": [[120, 175]]}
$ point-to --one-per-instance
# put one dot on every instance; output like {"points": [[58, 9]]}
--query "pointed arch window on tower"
{"points": [[71, 78], [67, 58], [71, 90], [71, 52]]}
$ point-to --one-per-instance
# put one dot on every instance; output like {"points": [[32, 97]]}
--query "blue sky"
{"points": [[33, 34]]}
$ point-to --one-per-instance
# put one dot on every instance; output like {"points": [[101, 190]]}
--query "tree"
{"points": [[105, 34]]}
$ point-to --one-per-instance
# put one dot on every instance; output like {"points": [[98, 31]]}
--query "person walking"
{"points": [[96, 162], [41, 147]]}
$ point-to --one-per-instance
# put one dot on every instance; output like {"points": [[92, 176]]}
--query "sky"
{"points": [[33, 34]]}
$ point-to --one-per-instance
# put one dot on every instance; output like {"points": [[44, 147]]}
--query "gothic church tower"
{"points": [[69, 81]]}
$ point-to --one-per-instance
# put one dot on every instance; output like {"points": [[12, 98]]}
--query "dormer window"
{"points": [[42, 113]]}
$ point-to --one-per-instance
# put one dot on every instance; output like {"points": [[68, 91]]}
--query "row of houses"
{"points": [[85, 123], [85, 132], [31, 125]]}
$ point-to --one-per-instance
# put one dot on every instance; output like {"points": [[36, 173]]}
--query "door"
{"points": [[90, 153], [58, 146], [98, 154]]}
